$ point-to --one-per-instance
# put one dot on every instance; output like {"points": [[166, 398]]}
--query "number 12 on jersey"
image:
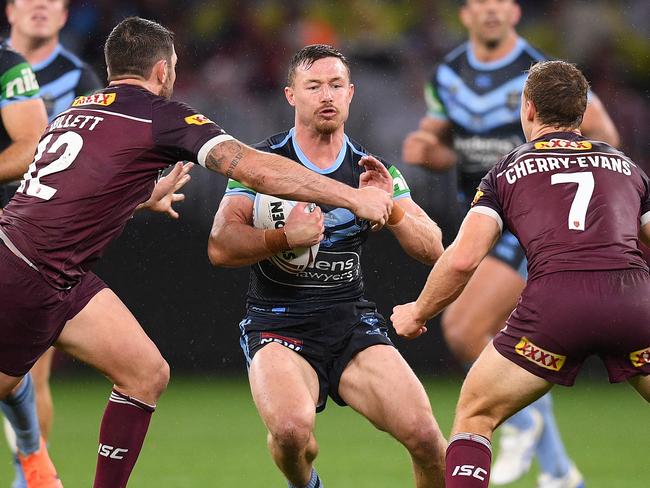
{"points": [[31, 185], [578, 210]]}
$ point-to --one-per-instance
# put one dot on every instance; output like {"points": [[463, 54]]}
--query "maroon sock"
{"points": [[468, 461], [121, 435]]}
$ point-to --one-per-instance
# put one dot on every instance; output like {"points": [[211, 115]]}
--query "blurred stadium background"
{"points": [[232, 66]]}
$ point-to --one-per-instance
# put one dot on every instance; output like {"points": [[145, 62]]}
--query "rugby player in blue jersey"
{"points": [[62, 76], [311, 335], [473, 102]]}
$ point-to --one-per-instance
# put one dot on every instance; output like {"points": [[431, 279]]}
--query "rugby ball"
{"points": [[271, 212]]}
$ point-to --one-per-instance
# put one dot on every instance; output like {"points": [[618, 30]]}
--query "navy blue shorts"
{"points": [[328, 339]]}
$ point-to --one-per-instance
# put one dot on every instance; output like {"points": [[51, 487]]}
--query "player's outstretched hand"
{"points": [[374, 205], [304, 226], [406, 322], [417, 147], [164, 193], [375, 174]]}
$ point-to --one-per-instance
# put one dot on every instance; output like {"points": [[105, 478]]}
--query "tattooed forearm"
{"points": [[217, 158]]}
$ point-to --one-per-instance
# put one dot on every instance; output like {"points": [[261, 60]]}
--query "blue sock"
{"points": [[522, 420], [314, 481], [550, 450], [20, 410], [19, 477]]}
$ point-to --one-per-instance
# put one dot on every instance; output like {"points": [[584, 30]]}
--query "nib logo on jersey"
{"points": [[539, 356], [293, 344]]}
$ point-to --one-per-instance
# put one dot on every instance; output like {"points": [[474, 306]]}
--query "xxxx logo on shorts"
{"points": [[539, 356], [640, 358]]}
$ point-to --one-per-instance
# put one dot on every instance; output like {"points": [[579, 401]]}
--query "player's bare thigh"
{"points": [[482, 309], [108, 337], [379, 384], [494, 389], [285, 388]]}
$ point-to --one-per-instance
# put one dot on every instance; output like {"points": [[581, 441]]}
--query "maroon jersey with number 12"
{"points": [[574, 204], [94, 165]]}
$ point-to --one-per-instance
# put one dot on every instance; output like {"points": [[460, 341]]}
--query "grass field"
{"points": [[206, 434]]}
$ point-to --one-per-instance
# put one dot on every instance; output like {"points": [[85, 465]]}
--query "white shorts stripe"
{"points": [[645, 218]]}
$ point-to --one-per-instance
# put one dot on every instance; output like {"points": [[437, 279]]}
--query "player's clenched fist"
{"points": [[303, 227], [407, 322], [418, 145], [373, 204]]}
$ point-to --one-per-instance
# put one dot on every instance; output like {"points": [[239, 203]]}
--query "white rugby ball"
{"points": [[271, 212]]}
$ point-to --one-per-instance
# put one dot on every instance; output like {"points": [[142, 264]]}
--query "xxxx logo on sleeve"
{"points": [[640, 358], [539, 356], [197, 119]]}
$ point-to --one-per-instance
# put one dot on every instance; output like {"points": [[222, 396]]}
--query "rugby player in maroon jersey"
{"points": [[579, 209], [95, 164]]}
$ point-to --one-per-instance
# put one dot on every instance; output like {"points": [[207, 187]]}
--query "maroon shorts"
{"points": [[33, 313], [562, 318]]}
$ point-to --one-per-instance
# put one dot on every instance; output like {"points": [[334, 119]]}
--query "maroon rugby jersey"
{"points": [[574, 204], [94, 165]]}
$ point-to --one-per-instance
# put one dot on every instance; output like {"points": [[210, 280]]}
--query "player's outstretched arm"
{"points": [[597, 124], [430, 145], [25, 122], [448, 278], [274, 175], [418, 235], [235, 242]]}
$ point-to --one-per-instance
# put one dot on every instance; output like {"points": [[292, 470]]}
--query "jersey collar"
{"points": [[498, 63], [307, 163]]}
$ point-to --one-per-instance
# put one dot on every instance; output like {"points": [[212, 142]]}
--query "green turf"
{"points": [[206, 434]]}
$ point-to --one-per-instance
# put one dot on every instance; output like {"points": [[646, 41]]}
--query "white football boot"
{"points": [[573, 479], [516, 451]]}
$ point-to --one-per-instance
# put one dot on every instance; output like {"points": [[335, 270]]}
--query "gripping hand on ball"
{"points": [[304, 228]]}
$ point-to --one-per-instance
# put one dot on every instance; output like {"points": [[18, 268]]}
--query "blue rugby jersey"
{"points": [[336, 274], [482, 101], [64, 77]]}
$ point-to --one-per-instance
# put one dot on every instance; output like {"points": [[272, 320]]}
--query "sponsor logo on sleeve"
{"points": [[640, 358], [539, 356], [564, 144], [477, 197], [103, 99], [198, 119]]}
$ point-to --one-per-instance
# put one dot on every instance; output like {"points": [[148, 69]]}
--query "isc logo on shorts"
{"points": [[539, 356], [640, 358]]}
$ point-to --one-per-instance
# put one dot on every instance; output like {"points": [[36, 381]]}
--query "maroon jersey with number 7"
{"points": [[574, 204]]}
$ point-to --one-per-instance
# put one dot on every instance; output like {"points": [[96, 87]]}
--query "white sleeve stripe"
{"points": [[207, 147], [645, 218], [489, 212]]}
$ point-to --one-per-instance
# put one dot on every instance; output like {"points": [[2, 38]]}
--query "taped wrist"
{"points": [[276, 241], [396, 216]]}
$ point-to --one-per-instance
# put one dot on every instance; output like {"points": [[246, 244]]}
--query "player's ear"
{"points": [[516, 14], [464, 16], [9, 12], [288, 92], [161, 71], [530, 110], [351, 91]]}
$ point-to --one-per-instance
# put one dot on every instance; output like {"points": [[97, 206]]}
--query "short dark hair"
{"points": [[308, 55], [135, 45], [559, 91]]}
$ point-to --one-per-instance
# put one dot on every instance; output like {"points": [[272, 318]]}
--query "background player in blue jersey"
{"points": [[580, 208], [62, 76], [473, 105], [23, 121], [313, 334]]}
